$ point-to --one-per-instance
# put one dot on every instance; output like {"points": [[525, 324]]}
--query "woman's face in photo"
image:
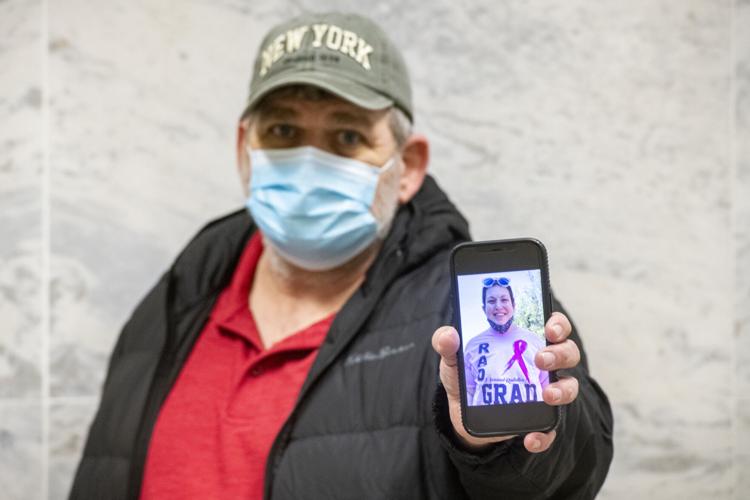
{"points": [[498, 306]]}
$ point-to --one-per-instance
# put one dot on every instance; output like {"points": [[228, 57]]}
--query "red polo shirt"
{"points": [[216, 427]]}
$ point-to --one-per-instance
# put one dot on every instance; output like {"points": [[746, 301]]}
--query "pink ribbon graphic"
{"points": [[518, 347]]}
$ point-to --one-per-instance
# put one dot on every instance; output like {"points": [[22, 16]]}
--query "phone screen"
{"points": [[502, 325], [501, 302]]}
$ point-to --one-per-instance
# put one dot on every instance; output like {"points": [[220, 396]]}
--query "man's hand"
{"points": [[562, 355]]}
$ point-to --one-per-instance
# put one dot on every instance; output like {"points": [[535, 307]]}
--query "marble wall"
{"points": [[23, 336], [741, 227], [616, 132]]}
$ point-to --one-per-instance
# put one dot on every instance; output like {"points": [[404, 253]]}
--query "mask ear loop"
{"points": [[382, 226], [388, 165]]}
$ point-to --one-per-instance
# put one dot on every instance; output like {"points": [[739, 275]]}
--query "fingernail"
{"points": [[556, 395], [536, 444], [548, 359], [557, 329]]}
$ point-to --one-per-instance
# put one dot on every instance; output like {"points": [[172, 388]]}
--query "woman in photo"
{"points": [[499, 362]]}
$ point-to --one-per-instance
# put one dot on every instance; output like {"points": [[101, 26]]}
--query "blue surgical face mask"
{"points": [[314, 207]]}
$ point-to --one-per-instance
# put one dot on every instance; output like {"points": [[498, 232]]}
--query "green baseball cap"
{"points": [[345, 54]]}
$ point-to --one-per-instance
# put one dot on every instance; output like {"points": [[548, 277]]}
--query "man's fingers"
{"points": [[558, 356], [445, 342], [558, 327], [562, 392], [537, 442]]}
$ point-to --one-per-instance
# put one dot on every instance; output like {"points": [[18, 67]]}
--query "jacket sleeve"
{"points": [[575, 466]]}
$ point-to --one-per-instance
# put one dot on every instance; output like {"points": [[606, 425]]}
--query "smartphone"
{"points": [[502, 301]]}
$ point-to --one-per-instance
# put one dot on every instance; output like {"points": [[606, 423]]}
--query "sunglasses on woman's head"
{"points": [[489, 282]]}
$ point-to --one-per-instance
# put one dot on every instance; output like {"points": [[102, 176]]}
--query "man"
{"points": [[286, 354]]}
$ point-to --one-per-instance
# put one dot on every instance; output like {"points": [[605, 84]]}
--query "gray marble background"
{"points": [[616, 132]]}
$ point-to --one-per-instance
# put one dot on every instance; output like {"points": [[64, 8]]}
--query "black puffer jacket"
{"points": [[371, 420]]}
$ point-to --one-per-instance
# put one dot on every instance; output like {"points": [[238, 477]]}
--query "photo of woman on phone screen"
{"points": [[499, 361]]}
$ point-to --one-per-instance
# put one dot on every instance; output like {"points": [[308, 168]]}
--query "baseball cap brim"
{"points": [[343, 87]]}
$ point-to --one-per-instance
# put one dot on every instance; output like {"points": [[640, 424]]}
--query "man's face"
{"points": [[335, 126], [497, 306]]}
